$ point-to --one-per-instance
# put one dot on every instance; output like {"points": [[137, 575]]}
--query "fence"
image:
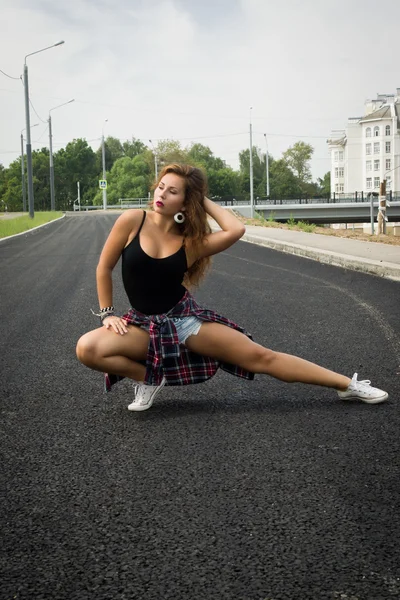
{"points": [[328, 199]]}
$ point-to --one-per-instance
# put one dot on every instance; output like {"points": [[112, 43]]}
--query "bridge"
{"points": [[341, 208], [316, 210]]}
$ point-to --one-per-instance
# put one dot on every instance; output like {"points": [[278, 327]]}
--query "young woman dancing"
{"points": [[166, 338]]}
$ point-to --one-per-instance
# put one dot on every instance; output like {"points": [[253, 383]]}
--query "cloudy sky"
{"points": [[191, 69]]}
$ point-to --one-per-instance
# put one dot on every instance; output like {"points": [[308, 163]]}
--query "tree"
{"points": [[133, 148], [283, 182], [170, 151], [128, 178], [298, 159], [202, 156], [77, 162], [325, 184]]}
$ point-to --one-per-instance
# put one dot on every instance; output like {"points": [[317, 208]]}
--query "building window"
{"points": [[340, 154], [369, 183], [368, 149], [376, 131], [377, 182], [376, 165], [388, 147], [336, 172], [368, 165], [368, 132], [388, 164], [388, 183], [336, 187], [387, 130], [336, 156], [341, 188], [377, 147], [341, 171]]}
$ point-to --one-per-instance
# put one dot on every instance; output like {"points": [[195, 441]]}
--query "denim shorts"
{"points": [[185, 327]]}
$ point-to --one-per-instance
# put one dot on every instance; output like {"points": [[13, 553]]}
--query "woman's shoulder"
{"points": [[131, 216]]}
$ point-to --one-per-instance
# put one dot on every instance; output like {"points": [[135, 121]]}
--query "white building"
{"points": [[367, 151]]}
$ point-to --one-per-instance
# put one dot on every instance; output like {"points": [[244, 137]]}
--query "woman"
{"points": [[167, 338]]}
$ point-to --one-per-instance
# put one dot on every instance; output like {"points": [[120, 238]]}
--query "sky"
{"points": [[195, 71]]}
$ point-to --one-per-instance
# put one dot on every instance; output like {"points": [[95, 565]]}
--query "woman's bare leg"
{"points": [[110, 352], [228, 345]]}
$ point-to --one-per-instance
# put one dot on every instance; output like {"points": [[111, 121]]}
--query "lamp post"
{"points": [[52, 188], [266, 165], [103, 155], [155, 159], [251, 170], [28, 131], [23, 169]]}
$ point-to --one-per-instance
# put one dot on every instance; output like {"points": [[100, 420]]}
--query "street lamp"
{"points": [[266, 164], [155, 159], [23, 169], [28, 130], [52, 192], [103, 153]]}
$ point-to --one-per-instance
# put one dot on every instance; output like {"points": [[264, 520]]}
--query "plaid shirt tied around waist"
{"points": [[166, 357]]}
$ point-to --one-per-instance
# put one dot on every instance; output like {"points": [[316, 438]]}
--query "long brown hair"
{"points": [[195, 227]]}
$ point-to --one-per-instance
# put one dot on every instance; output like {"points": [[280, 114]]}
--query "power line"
{"points": [[9, 76]]}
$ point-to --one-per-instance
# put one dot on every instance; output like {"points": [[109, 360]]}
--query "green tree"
{"points": [[128, 178], [283, 182], [77, 162], [202, 156], [224, 182], [325, 184], [170, 151], [298, 159], [11, 186], [133, 148]]}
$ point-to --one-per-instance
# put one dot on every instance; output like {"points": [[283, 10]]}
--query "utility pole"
{"points": [[28, 131], [23, 174], [52, 193], [266, 165], [103, 152], [155, 160], [28, 144], [52, 187], [251, 170]]}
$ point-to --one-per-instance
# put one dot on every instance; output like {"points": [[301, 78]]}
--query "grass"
{"points": [[11, 226], [260, 221]]}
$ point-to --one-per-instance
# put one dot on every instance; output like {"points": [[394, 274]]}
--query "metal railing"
{"points": [[331, 199]]}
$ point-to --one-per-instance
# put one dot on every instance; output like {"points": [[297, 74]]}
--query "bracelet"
{"points": [[107, 309], [104, 315]]}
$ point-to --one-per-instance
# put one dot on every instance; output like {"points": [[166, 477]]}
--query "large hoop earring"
{"points": [[179, 218]]}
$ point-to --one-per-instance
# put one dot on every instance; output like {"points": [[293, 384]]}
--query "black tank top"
{"points": [[153, 285]]}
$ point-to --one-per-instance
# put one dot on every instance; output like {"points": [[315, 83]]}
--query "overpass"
{"points": [[315, 210]]}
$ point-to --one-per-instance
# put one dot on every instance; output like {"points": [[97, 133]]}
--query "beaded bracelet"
{"points": [[107, 309]]}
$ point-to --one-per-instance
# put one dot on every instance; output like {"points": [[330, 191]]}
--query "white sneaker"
{"points": [[144, 395], [363, 390]]}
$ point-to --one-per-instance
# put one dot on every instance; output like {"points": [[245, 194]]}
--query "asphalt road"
{"points": [[226, 490]]}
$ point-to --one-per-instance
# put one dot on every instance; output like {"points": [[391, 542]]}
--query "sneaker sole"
{"points": [[367, 400], [140, 408]]}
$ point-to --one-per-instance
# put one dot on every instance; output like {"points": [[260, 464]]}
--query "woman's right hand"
{"points": [[117, 324]]}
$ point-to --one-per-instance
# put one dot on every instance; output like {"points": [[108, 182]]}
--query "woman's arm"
{"points": [[232, 230], [111, 252]]}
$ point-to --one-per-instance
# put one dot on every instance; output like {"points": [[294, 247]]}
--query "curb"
{"points": [[9, 237], [372, 267]]}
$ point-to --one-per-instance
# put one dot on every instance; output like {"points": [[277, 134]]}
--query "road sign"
{"points": [[103, 184]]}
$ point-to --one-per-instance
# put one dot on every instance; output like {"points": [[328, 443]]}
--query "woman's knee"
{"points": [[262, 357], [86, 350]]}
